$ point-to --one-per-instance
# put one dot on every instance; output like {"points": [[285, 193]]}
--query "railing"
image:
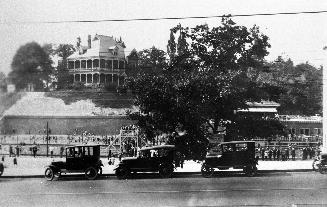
{"points": [[97, 69]]}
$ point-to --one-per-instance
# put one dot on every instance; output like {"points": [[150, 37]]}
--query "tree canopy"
{"points": [[31, 64], [301, 85], [212, 73]]}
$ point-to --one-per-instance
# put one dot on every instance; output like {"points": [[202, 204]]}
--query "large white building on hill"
{"points": [[102, 61]]}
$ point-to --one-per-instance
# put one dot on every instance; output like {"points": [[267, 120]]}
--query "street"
{"points": [[267, 189]]}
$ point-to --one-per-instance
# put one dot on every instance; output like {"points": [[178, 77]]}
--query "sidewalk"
{"points": [[34, 167]]}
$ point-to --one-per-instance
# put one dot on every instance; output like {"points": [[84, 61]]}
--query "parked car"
{"points": [[320, 163], [150, 159], [79, 159], [235, 154]]}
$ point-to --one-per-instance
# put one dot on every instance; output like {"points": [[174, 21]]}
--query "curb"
{"points": [[179, 173]]}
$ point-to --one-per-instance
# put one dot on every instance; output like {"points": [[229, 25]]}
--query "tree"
{"points": [[152, 60], [31, 64], [301, 84], [3, 84], [62, 75], [214, 74]]}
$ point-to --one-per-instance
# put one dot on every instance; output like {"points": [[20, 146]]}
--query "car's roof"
{"points": [[237, 142], [159, 147]]}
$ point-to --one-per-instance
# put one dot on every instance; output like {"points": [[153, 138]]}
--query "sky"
{"points": [[299, 37]]}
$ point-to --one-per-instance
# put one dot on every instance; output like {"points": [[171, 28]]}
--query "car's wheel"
{"points": [[207, 171], [322, 169], [166, 171], [122, 173], [91, 173], [49, 174], [250, 170], [57, 174]]}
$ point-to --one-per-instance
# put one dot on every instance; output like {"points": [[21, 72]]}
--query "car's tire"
{"points": [[250, 170], [207, 171], [122, 173], [57, 174], [49, 174], [323, 169], [166, 171], [91, 173]]}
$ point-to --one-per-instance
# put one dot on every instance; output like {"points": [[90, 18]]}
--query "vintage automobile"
{"points": [[150, 159], [320, 163], [235, 154], [79, 159]]}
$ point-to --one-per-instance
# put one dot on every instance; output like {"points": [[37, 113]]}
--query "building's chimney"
{"points": [[89, 41], [78, 43]]}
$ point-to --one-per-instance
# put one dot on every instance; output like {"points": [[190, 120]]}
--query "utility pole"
{"points": [[47, 139], [324, 106]]}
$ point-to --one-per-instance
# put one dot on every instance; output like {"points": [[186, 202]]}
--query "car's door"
{"points": [[241, 156], [227, 158], [143, 161]]}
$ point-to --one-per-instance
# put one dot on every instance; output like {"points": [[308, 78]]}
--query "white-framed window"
{"points": [[317, 131], [292, 130], [305, 131]]}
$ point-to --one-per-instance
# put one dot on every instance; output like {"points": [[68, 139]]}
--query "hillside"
{"points": [[8, 99], [71, 104]]}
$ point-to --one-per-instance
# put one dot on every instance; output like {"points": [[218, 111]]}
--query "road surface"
{"points": [[269, 189]]}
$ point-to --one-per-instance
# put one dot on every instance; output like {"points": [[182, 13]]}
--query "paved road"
{"points": [[269, 189]]}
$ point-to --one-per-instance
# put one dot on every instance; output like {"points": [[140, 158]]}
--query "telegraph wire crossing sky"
{"points": [[296, 29]]}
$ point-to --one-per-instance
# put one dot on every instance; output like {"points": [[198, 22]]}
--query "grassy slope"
{"points": [[8, 99], [101, 99]]}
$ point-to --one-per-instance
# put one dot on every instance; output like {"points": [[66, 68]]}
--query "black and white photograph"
{"points": [[163, 103]]}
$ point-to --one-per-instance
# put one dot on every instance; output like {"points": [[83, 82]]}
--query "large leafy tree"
{"points": [[212, 74], [302, 87], [151, 61], [63, 51], [31, 64]]}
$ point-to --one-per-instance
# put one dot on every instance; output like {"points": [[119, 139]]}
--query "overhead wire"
{"points": [[166, 18]]}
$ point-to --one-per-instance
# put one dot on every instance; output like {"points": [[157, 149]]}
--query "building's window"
{"points": [[89, 63], [77, 64], [292, 130], [102, 63], [109, 64], [95, 63], [115, 64], [70, 65], [121, 64], [317, 131], [305, 131], [83, 64]]}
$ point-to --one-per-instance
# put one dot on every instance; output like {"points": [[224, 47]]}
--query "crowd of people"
{"points": [[287, 153]]}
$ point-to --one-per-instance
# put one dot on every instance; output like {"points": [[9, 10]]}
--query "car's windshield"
{"points": [[154, 153], [215, 149]]}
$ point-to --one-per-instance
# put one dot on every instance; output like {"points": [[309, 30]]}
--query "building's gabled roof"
{"points": [[101, 46], [262, 107]]}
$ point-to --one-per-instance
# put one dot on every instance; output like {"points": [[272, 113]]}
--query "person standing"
{"points": [[287, 154], [263, 154], [17, 150], [274, 153], [293, 153], [304, 154], [62, 149], [278, 154], [10, 150], [270, 152]]}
